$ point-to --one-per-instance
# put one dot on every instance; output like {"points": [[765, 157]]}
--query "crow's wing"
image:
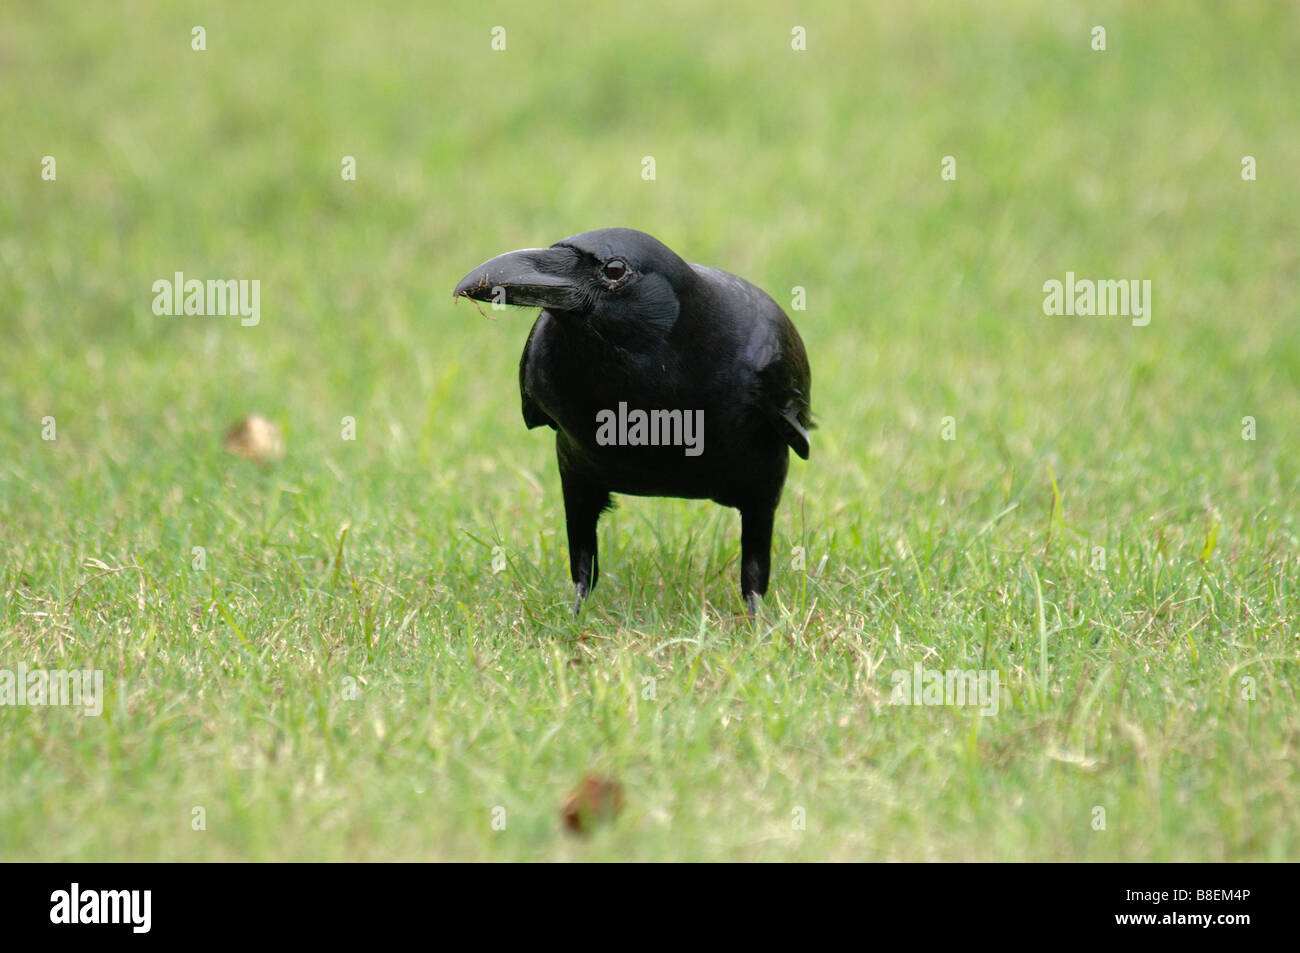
{"points": [[773, 351], [777, 354]]}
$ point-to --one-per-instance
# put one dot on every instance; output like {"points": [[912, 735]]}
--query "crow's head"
{"points": [[621, 281]]}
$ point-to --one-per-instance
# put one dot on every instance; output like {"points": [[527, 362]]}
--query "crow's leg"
{"points": [[583, 504], [755, 552]]}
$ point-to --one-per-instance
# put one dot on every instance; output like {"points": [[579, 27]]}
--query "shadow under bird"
{"points": [[659, 378]]}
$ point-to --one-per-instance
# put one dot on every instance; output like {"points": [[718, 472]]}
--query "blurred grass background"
{"points": [[817, 169]]}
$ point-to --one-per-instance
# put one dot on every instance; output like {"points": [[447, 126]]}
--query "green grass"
{"points": [[227, 686]]}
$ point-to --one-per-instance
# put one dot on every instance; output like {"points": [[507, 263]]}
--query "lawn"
{"points": [[365, 650]]}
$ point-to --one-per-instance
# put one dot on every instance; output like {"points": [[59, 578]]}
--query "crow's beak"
{"points": [[530, 278]]}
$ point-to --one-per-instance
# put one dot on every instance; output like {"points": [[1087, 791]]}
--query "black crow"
{"points": [[659, 378]]}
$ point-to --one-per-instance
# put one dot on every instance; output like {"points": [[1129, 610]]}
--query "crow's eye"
{"points": [[614, 269]]}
